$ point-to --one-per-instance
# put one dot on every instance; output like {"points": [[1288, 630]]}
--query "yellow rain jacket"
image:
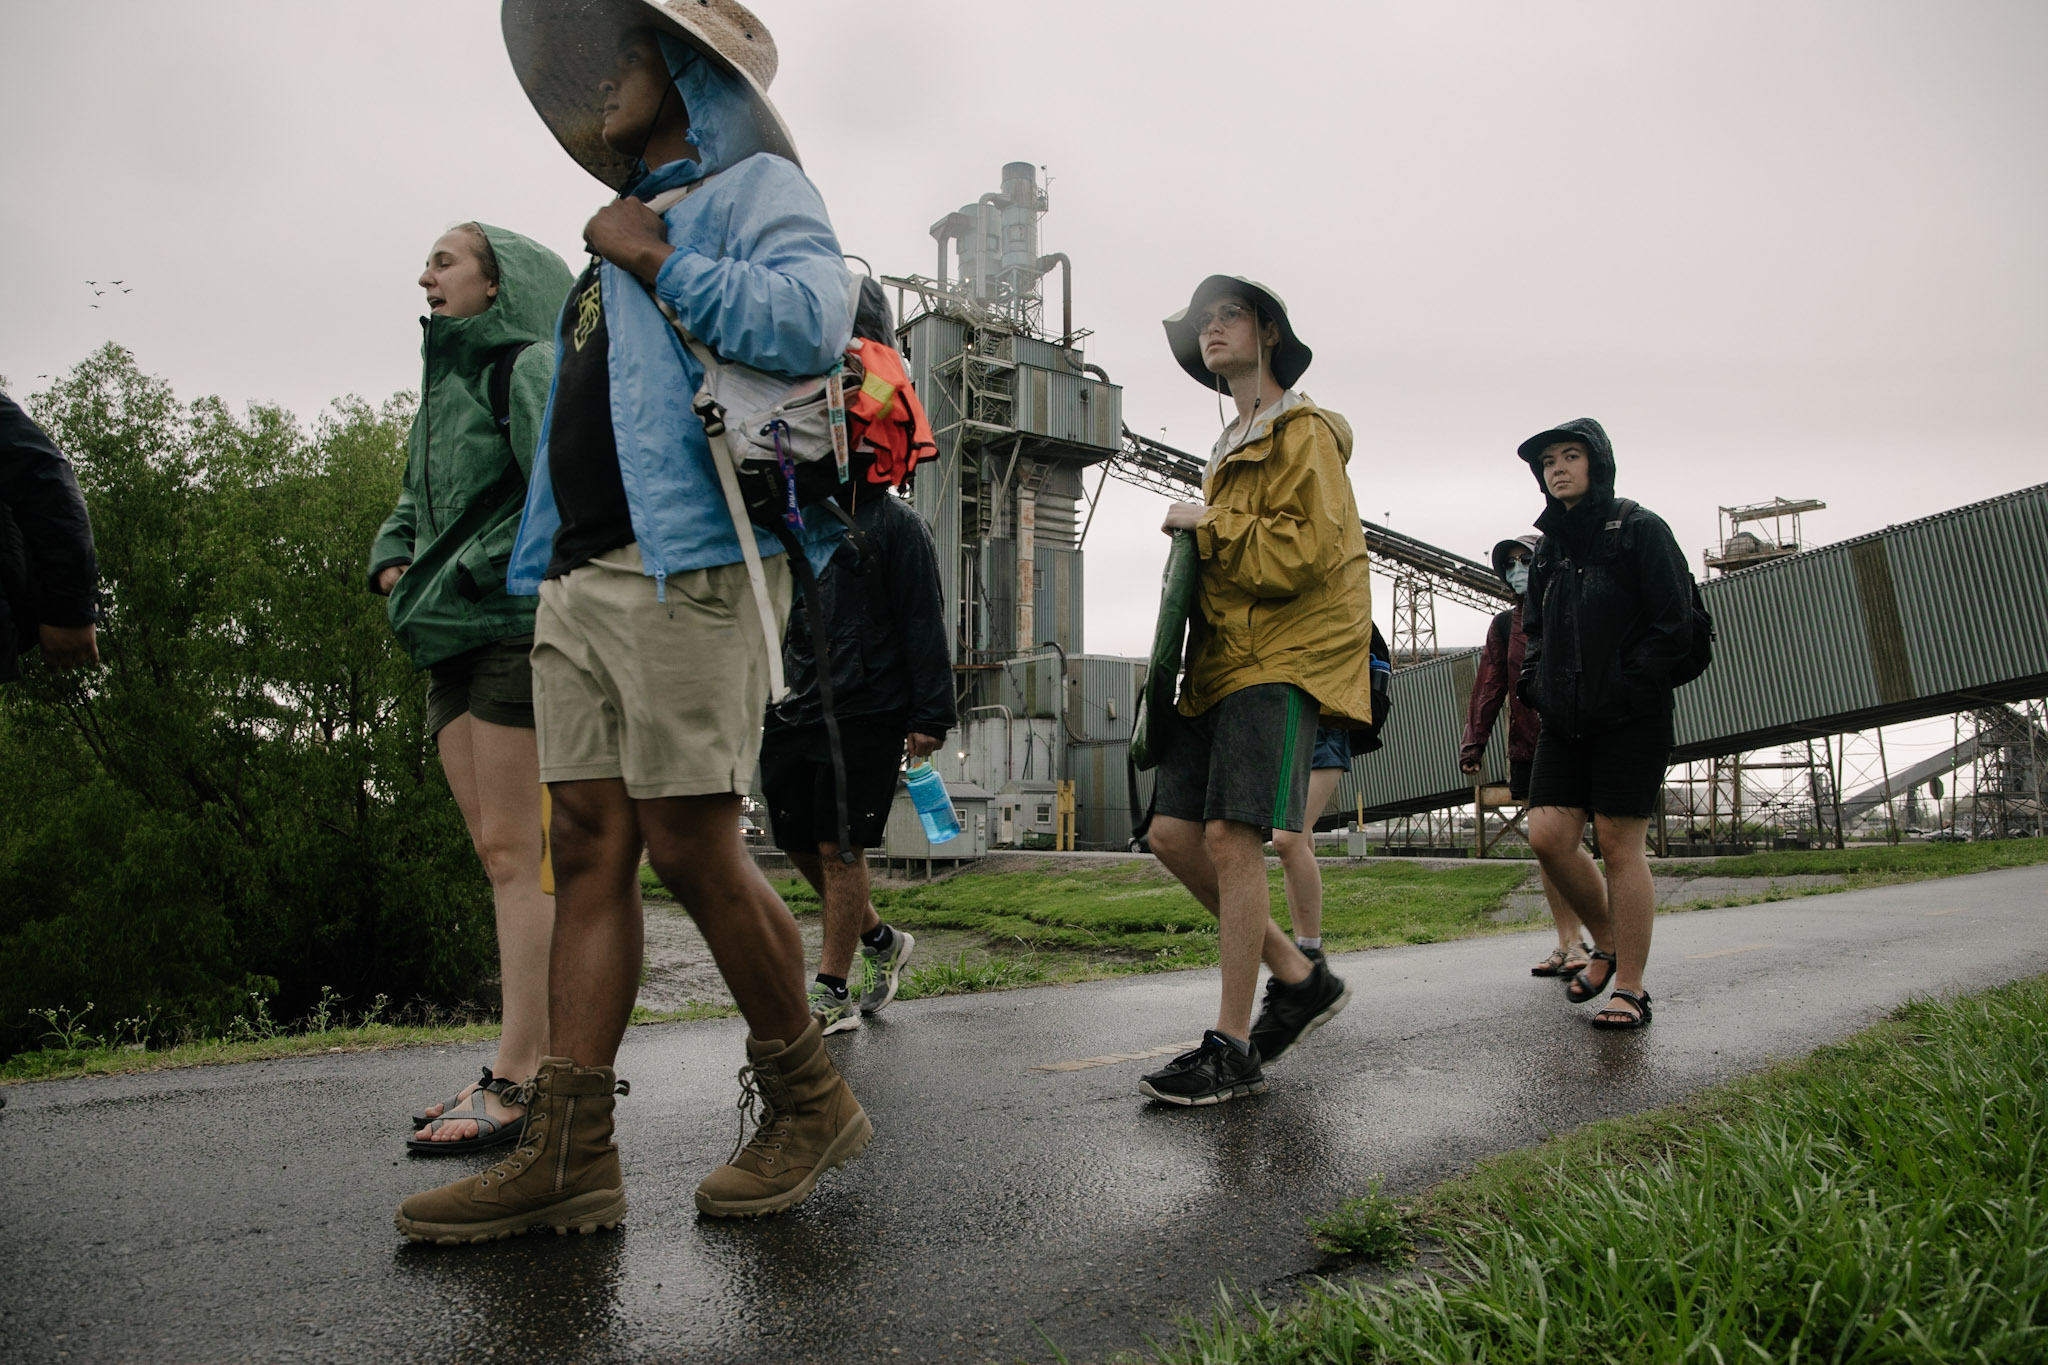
{"points": [[1286, 594]]}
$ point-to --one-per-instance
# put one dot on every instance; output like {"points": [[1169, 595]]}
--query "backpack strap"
{"points": [[1611, 529], [713, 417], [503, 360]]}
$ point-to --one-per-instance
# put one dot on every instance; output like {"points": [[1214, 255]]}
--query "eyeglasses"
{"points": [[1227, 313]]}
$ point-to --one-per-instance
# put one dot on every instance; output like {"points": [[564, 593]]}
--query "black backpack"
{"points": [[1368, 738], [1701, 651]]}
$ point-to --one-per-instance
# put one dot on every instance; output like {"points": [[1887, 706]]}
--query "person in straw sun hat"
{"points": [[650, 667]]}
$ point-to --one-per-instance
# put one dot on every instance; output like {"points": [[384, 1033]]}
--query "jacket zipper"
{"points": [[648, 548], [427, 428]]}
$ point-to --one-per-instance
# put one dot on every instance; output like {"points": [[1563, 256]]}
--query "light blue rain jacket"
{"points": [[757, 276]]}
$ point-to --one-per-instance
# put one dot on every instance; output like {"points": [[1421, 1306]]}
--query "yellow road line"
{"points": [[1726, 952], [1117, 1058]]}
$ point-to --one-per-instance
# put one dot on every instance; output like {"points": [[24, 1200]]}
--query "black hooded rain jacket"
{"points": [[48, 575], [1608, 615], [886, 623]]}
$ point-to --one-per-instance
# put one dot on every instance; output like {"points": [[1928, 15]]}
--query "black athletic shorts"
{"points": [[1616, 772], [1245, 759], [1518, 777], [796, 781], [493, 682]]}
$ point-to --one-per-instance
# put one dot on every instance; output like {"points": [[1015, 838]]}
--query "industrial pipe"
{"points": [[1046, 263], [1009, 741]]}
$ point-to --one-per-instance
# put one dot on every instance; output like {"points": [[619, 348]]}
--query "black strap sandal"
{"points": [[1610, 1017], [1552, 965], [1581, 990]]}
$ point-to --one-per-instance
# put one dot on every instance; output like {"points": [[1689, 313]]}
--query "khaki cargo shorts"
{"points": [[666, 695]]}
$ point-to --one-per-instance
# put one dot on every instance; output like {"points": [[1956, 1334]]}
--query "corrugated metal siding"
{"points": [[1102, 794], [1102, 698], [1915, 620], [931, 341], [1416, 768], [1069, 407]]}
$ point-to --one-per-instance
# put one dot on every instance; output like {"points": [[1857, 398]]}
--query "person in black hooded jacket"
{"points": [[892, 692], [49, 578], [1608, 619]]}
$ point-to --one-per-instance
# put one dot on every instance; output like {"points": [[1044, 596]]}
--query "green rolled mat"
{"points": [[1157, 716]]}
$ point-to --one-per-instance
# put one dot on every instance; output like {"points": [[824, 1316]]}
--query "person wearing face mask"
{"points": [[1609, 626], [1278, 644], [440, 558], [1500, 667]]}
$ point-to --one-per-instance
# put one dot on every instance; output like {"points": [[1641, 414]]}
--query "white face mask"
{"points": [[1518, 576]]}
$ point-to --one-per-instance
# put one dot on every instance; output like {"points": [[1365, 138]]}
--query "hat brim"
{"points": [[1290, 358], [1532, 449], [562, 49]]}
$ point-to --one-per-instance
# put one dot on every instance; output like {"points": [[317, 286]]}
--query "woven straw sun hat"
{"points": [[561, 49]]}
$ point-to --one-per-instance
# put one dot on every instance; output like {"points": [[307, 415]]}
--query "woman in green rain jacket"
{"points": [[492, 297]]}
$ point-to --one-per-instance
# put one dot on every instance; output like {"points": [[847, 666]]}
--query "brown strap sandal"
{"points": [[1554, 965]]}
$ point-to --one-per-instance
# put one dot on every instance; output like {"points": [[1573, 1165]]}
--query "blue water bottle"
{"points": [[934, 807]]}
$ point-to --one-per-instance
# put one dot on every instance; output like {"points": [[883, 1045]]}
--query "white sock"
{"points": [[1315, 942]]}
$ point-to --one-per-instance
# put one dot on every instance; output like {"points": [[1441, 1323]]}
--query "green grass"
{"points": [[72, 1049], [1884, 1200], [1874, 864], [1370, 1226], [964, 977], [1137, 911]]}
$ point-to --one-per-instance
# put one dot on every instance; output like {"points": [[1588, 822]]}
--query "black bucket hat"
{"points": [[1290, 358]]}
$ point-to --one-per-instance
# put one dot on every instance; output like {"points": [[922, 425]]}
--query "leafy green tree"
{"points": [[244, 797]]}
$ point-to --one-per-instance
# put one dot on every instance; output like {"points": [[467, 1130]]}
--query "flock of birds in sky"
{"points": [[98, 292]]}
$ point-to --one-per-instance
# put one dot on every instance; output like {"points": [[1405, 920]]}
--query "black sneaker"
{"points": [[1292, 1013], [1312, 954], [1214, 1072]]}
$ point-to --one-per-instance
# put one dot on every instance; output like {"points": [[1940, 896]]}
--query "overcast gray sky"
{"points": [[1778, 248]]}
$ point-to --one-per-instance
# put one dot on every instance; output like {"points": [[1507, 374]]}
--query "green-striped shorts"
{"points": [[1245, 759]]}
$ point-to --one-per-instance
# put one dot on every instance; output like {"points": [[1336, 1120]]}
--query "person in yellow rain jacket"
{"points": [[1279, 644]]}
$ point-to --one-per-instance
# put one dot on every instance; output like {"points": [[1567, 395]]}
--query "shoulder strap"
{"points": [[503, 360]]}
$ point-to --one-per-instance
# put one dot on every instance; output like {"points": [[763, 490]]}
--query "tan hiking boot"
{"points": [[564, 1173], [811, 1123]]}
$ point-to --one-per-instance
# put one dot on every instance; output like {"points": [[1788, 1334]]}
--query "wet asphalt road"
{"points": [[244, 1213]]}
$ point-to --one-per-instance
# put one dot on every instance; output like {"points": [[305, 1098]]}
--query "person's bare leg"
{"points": [[1299, 872], [1556, 834], [1631, 897], [594, 966], [849, 911], [1245, 923], [1570, 932], [695, 845], [500, 769], [458, 765], [1182, 848]]}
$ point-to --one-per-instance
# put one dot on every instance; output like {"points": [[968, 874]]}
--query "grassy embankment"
{"points": [[994, 931], [1880, 862], [1884, 1199], [1019, 928]]}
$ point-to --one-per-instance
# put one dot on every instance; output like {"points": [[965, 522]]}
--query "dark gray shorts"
{"points": [[1245, 759], [493, 683]]}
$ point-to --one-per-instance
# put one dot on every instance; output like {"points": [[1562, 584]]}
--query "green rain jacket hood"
{"points": [[465, 483]]}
